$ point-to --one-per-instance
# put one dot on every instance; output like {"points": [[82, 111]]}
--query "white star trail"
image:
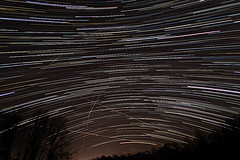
{"points": [[124, 72]]}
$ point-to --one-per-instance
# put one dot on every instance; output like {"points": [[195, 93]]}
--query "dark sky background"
{"points": [[128, 75]]}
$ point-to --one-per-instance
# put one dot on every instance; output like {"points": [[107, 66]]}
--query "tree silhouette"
{"points": [[7, 134], [219, 144], [42, 138]]}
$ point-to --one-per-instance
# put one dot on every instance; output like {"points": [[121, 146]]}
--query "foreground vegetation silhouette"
{"points": [[217, 145], [38, 138]]}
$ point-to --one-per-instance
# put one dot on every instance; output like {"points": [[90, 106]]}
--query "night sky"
{"points": [[128, 75]]}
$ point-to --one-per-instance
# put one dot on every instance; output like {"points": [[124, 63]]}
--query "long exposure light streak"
{"points": [[135, 72]]}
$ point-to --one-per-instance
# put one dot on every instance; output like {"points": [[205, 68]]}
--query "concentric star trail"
{"points": [[126, 74]]}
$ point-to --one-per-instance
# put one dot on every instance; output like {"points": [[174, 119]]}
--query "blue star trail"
{"points": [[128, 75]]}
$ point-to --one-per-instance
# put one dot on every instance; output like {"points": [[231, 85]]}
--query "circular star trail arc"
{"points": [[127, 74]]}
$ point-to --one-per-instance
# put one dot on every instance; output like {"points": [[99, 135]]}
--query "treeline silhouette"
{"points": [[217, 145], [38, 138]]}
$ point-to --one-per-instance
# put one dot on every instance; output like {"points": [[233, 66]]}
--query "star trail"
{"points": [[128, 75]]}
